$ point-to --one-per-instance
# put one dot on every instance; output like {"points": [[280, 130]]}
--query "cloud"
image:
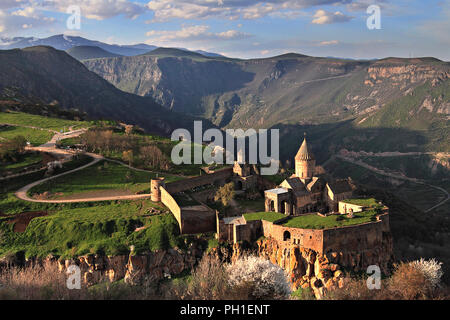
{"points": [[198, 33], [13, 21], [17, 15], [326, 17], [165, 10], [328, 43], [8, 4], [99, 9]]}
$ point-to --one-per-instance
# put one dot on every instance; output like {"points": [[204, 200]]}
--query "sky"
{"points": [[246, 28]]}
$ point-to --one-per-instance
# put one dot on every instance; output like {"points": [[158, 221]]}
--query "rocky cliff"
{"points": [[320, 272], [153, 266]]}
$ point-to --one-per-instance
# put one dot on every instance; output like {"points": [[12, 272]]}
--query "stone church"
{"points": [[304, 192]]}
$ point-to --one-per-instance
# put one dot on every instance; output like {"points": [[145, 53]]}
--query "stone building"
{"points": [[244, 176], [303, 192]]}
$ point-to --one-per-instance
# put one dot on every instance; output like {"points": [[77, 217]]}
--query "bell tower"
{"points": [[305, 162]]}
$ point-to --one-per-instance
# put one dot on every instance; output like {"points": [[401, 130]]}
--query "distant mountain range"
{"points": [[361, 102], [390, 104], [64, 42], [49, 76], [90, 52]]}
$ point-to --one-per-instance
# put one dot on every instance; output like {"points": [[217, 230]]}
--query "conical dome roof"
{"points": [[304, 153]]}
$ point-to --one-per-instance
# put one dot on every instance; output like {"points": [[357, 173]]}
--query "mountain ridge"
{"points": [[54, 77]]}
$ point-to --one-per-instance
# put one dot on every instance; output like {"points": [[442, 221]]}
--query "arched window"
{"points": [[283, 206], [272, 205], [286, 236]]}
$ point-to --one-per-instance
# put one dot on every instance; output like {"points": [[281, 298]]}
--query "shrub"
{"points": [[264, 279], [407, 283], [225, 194], [208, 282], [431, 269]]}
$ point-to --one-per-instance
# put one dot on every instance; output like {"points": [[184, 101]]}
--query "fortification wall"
{"points": [[170, 203], [198, 219], [356, 238], [187, 184], [307, 238]]}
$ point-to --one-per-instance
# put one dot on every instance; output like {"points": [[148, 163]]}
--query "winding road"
{"points": [[50, 147], [391, 175]]}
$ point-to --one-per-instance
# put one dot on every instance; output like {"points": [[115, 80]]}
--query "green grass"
{"points": [[268, 216], [368, 203], [276, 178], [34, 136], [314, 221], [185, 200], [102, 227], [69, 142], [99, 177], [251, 205], [25, 160], [26, 119]]}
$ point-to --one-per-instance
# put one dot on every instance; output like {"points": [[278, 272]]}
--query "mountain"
{"points": [[90, 52], [209, 54], [54, 77], [297, 91], [64, 42], [177, 52]]}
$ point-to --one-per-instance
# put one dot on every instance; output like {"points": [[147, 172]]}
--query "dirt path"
{"points": [[50, 147], [401, 177]]}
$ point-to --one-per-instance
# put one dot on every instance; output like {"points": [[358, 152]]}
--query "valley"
{"points": [[87, 174]]}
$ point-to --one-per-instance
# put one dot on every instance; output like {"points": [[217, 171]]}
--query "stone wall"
{"points": [[307, 238], [345, 207], [194, 219], [170, 203], [197, 219], [187, 184]]}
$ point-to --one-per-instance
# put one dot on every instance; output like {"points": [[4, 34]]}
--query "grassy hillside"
{"points": [[34, 136], [90, 52], [101, 179], [103, 228], [53, 76], [50, 123]]}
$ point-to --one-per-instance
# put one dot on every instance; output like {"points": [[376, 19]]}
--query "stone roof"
{"points": [[340, 186], [296, 185], [304, 153], [312, 183], [277, 190]]}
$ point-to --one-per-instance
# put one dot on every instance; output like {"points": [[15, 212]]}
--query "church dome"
{"points": [[304, 153]]}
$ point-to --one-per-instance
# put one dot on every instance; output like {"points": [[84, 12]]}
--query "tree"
{"points": [[11, 148], [153, 157], [225, 194], [264, 279], [127, 156], [129, 129]]}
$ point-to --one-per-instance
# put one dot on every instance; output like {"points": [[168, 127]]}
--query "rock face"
{"points": [[158, 265], [322, 272], [152, 266]]}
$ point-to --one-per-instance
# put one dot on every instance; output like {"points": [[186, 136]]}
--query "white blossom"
{"points": [[268, 279], [431, 269]]}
